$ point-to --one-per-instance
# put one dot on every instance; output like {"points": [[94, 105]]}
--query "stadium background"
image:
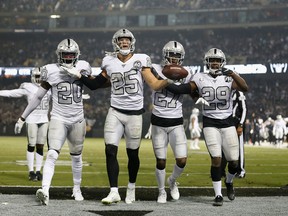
{"points": [[250, 32]]}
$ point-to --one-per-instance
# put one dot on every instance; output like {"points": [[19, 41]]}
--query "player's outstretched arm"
{"points": [[32, 105], [14, 93]]}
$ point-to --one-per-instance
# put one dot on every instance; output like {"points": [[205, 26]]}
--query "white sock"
{"points": [[217, 185], [114, 189], [39, 161], [160, 177], [229, 177], [30, 161], [48, 169], [131, 185], [176, 172], [77, 169]]}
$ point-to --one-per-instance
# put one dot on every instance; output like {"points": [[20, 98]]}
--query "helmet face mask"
{"points": [[68, 53], [214, 60], [117, 42], [36, 76], [173, 53]]}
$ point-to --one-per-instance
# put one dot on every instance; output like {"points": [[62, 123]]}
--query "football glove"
{"points": [[202, 101], [226, 71], [85, 96], [73, 72], [18, 126]]}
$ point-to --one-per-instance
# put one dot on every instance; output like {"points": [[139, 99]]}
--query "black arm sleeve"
{"points": [[95, 83], [180, 89]]}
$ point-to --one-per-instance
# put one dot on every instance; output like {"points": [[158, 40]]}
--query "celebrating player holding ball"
{"points": [[220, 134]]}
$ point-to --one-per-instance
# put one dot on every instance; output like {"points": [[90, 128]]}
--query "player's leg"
{"points": [[231, 151], [160, 143], [223, 165], [113, 131], [192, 140], [241, 164], [41, 140], [75, 137], [196, 138], [32, 139], [57, 134], [132, 133], [178, 142], [213, 141]]}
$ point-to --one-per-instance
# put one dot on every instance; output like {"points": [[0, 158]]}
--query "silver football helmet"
{"points": [[126, 34], [36, 76], [214, 53], [173, 53], [68, 53]]}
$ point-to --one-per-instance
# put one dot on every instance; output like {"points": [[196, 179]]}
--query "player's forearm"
{"points": [[93, 84], [180, 89], [35, 101], [240, 82], [11, 93]]}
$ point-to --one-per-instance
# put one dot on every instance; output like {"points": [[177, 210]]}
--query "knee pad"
{"points": [[30, 148], [232, 167], [52, 155], [161, 164], [215, 173], [181, 162], [39, 149]]}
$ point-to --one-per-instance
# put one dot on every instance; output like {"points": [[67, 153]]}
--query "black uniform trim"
{"points": [[165, 122], [218, 123]]}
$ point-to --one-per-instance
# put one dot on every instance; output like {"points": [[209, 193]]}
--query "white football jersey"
{"points": [[126, 80], [66, 92], [40, 114], [217, 91], [165, 103]]}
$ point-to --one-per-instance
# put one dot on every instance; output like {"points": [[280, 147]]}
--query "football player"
{"points": [[220, 134], [125, 71], [167, 124], [239, 116], [67, 118], [195, 130], [279, 130], [36, 123]]}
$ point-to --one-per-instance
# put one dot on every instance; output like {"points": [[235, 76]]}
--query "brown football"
{"points": [[174, 72]]}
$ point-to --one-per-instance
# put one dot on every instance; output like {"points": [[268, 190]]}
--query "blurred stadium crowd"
{"points": [[104, 5], [266, 97]]}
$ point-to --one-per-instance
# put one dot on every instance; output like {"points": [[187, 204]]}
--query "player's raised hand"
{"points": [[73, 72], [85, 96], [226, 71], [18, 126], [202, 101]]}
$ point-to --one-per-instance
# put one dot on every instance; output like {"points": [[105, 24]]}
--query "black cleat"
{"points": [[218, 201], [32, 176], [39, 175], [230, 191]]}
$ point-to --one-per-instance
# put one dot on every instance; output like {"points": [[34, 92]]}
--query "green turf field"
{"points": [[266, 166]]}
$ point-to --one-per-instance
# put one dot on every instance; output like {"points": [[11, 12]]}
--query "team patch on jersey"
{"points": [[137, 65], [228, 79]]}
